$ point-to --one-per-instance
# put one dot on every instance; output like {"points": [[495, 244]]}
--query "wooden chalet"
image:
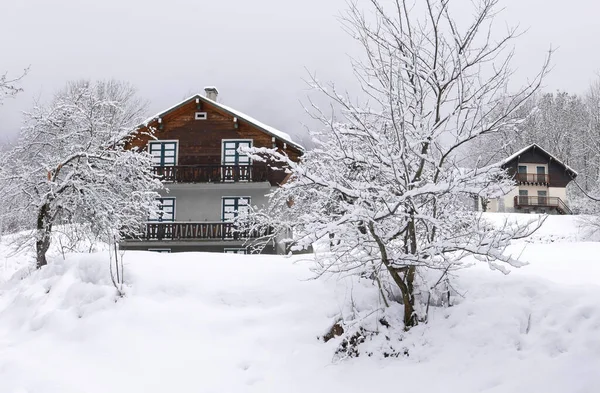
{"points": [[540, 183], [195, 148]]}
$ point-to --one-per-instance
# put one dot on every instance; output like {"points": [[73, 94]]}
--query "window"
{"points": [[236, 165], [230, 154], [164, 153], [234, 206], [522, 173], [235, 251], [160, 250], [523, 197], [200, 116], [542, 198], [541, 174], [166, 211]]}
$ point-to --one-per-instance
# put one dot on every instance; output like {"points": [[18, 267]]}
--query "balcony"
{"points": [[533, 178], [538, 201], [197, 231], [218, 173]]}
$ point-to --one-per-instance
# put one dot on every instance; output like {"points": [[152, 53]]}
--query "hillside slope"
{"points": [[228, 323]]}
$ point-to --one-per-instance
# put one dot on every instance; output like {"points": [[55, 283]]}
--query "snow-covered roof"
{"points": [[285, 137], [533, 145]]}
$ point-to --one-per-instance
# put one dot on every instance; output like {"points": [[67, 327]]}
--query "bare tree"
{"points": [[591, 141], [70, 165], [384, 186]]}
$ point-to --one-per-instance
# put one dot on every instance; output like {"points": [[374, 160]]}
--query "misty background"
{"points": [[256, 53]]}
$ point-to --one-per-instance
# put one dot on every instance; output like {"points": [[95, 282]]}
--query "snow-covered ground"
{"points": [[198, 322]]}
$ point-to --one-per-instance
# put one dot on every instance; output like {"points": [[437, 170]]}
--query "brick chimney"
{"points": [[211, 92]]}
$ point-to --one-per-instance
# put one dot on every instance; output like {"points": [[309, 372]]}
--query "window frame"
{"points": [[160, 219], [162, 143], [237, 155], [160, 250], [236, 206], [542, 199], [523, 197], [235, 250]]}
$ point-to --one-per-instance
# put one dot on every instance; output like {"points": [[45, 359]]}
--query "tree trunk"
{"points": [[44, 231], [410, 320], [408, 296], [406, 287]]}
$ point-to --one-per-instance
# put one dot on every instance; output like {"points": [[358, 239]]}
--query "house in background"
{"points": [[541, 180], [208, 181]]}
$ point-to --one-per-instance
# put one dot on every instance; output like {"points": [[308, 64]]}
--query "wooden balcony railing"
{"points": [[198, 231], [212, 173], [539, 201], [533, 178]]}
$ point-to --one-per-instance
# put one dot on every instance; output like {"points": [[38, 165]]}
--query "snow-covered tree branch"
{"points": [[384, 186], [9, 86], [70, 166]]}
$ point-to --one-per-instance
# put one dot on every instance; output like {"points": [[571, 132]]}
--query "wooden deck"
{"points": [[538, 201]]}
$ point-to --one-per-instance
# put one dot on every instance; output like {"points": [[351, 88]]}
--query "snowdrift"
{"points": [[230, 323]]}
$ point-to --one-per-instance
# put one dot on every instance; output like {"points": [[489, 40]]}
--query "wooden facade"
{"points": [[200, 141], [559, 175]]}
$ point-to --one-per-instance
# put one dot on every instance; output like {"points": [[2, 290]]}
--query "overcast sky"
{"points": [[255, 52]]}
